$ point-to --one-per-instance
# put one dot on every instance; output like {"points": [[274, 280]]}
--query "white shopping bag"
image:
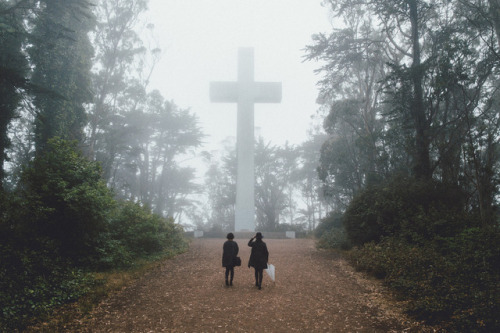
{"points": [[271, 271]]}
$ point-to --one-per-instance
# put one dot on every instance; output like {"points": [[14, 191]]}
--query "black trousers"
{"points": [[230, 270], [259, 273]]}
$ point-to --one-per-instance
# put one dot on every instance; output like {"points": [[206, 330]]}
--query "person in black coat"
{"points": [[258, 257], [229, 253]]}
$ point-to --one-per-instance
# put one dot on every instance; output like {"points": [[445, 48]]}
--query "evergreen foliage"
{"points": [[61, 225], [13, 71], [135, 232], [72, 200], [419, 237], [59, 221], [61, 54], [451, 281], [331, 233], [410, 88], [404, 207]]}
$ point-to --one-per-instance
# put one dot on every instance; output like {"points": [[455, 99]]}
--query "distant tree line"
{"points": [[410, 94], [288, 193]]}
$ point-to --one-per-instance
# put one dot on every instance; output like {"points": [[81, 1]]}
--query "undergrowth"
{"points": [[453, 282], [427, 247], [102, 285]]}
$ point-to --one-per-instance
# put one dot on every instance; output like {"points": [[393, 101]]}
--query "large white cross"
{"points": [[246, 92]]}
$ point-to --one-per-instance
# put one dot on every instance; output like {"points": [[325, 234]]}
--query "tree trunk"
{"points": [[422, 160]]}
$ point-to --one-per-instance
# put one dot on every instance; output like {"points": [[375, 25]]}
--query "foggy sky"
{"points": [[200, 41]]}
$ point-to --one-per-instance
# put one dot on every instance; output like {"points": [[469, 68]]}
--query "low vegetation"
{"points": [[423, 242], [61, 228]]}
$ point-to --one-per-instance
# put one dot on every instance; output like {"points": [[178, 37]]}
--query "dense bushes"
{"points": [[35, 281], [135, 232], [69, 200], [60, 225], [419, 238], [331, 233], [453, 281], [414, 210]]}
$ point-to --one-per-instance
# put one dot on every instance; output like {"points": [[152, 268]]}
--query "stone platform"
{"points": [[245, 235]]}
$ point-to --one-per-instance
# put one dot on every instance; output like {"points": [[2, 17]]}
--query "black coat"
{"points": [[229, 252], [259, 255]]}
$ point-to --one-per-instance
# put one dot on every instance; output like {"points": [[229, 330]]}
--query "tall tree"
{"points": [[310, 186], [438, 95], [273, 171], [354, 65], [484, 16], [118, 46], [147, 166], [13, 70], [290, 155], [422, 165], [61, 54], [444, 93], [220, 188], [495, 17]]}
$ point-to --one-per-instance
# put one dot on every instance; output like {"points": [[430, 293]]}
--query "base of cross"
{"points": [[245, 235]]}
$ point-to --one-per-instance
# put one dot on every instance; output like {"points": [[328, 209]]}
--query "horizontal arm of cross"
{"points": [[267, 92], [262, 92], [223, 92]]}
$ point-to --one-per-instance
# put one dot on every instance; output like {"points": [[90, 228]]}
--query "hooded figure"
{"points": [[258, 257]]}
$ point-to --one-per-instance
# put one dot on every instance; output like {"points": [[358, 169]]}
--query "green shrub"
{"points": [[454, 280], [335, 238], [34, 282], [412, 209], [63, 223], [65, 200], [135, 232], [332, 220]]}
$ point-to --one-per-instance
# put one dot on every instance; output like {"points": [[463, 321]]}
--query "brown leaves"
{"points": [[315, 291]]}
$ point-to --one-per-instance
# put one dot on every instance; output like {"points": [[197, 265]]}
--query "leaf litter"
{"points": [[315, 291]]}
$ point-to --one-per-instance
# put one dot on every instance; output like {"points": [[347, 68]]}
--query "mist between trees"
{"points": [[92, 175]]}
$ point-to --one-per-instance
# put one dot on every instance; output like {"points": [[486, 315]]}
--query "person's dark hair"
{"points": [[230, 236], [259, 235]]}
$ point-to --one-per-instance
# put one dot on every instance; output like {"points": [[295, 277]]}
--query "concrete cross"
{"points": [[245, 92]]}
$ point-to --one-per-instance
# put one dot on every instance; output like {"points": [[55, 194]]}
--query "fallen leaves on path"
{"points": [[314, 291]]}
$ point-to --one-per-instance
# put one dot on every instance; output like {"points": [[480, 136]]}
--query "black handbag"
{"points": [[237, 261]]}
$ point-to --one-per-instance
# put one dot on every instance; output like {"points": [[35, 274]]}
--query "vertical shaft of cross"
{"points": [[245, 206], [245, 92]]}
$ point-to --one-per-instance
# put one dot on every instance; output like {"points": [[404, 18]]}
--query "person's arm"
{"points": [[237, 248], [250, 242]]}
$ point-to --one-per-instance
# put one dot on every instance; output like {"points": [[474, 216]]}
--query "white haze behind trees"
{"points": [[199, 42]]}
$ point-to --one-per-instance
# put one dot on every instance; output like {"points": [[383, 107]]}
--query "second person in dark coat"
{"points": [[229, 253], [258, 257]]}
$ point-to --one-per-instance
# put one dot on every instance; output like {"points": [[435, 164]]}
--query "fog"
{"points": [[114, 142], [200, 41]]}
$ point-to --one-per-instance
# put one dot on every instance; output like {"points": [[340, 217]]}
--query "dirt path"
{"points": [[315, 291]]}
